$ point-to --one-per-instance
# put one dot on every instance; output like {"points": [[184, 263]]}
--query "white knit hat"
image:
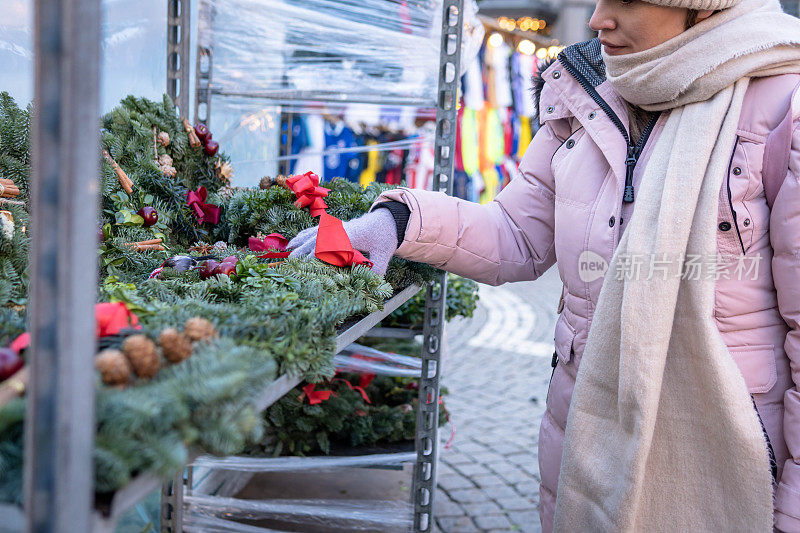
{"points": [[696, 4]]}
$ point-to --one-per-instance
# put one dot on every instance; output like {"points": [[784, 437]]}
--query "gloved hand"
{"points": [[374, 233]]}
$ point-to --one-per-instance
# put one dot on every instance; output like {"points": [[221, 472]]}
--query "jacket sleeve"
{"points": [[785, 239], [508, 239]]}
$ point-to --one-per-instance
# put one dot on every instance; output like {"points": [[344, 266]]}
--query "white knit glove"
{"points": [[374, 233]]}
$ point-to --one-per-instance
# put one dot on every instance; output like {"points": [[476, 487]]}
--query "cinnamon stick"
{"points": [[124, 180], [151, 247], [8, 189], [150, 241], [155, 143], [194, 140]]}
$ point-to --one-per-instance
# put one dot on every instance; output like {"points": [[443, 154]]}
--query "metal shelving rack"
{"points": [[426, 441], [59, 430]]}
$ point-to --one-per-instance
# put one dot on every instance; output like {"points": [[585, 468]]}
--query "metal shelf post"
{"points": [[178, 29], [427, 440], [59, 423]]}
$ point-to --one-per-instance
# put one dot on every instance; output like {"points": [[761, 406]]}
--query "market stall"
{"points": [[202, 320]]}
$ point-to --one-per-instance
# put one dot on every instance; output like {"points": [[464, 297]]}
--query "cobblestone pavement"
{"points": [[497, 370]]}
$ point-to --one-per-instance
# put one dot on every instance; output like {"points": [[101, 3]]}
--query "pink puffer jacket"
{"points": [[569, 199]]}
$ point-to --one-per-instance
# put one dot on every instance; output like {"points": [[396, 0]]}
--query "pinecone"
{"points": [[164, 160], [168, 171], [175, 345], [198, 329], [142, 354], [265, 183], [163, 138], [114, 368]]}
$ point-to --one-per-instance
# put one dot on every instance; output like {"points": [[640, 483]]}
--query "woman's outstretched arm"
{"points": [[508, 239]]}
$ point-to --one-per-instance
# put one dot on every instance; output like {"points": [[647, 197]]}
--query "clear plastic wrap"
{"points": [[357, 358], [133, 50], [379, 51], [204, 513], [301, 493], [293, 464]]}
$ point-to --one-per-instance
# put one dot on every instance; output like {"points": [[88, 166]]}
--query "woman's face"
{"points": [[628, 26]]}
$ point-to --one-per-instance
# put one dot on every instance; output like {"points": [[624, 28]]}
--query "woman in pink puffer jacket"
{"points": [[575, 196]]}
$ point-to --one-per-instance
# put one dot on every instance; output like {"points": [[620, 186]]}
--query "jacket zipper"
{"points": [[730, 198], [773, 463], [634, 150]]}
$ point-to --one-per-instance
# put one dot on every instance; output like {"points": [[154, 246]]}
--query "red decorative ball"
{"points": [[231, 259], [149, 214], [207, 268], [211, 148], [202, 131], [226, 269], [10, 362]]}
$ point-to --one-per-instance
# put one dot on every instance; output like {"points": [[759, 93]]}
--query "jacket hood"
{"points": [[586, 59]]}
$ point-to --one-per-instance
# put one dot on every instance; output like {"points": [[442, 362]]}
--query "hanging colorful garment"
{"points": [[525, 136], [368, 175], [470, 148], [491, 181]]}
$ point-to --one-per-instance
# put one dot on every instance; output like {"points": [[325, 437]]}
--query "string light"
{"points": [[495, 40], [541, 53], [526, 47]]}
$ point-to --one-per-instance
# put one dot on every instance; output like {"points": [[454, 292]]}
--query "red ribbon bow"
{"points": [[315, 396], [355, 388], [273, 241], [309, 193], [112, 317], [196, 200], [333, 245]]}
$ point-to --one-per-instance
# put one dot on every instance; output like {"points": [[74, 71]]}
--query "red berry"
{"points": [[10, 362], [225, 269], [149, 214], [207, 268], [202, 131], [211, 148]]}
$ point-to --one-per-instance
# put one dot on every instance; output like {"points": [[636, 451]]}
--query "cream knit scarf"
{"points": [[661, 433]]}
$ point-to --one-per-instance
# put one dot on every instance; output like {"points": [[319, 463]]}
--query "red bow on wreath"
{"points": [[333, 245], [111, 317], [315, 396], [356, 388], [273, 241], [309, 193], [196, 200]]}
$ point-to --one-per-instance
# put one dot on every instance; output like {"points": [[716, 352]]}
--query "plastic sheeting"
{"points": [[379, 51], [211, 507], [357, 358], [133, 50], [352, 515], [295, 464]]}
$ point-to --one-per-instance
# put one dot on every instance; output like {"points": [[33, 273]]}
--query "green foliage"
{"points": [[269, 319], [295, 427], [15, 143], [127, 134], [462, 299]]}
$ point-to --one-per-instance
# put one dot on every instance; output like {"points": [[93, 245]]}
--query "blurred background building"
{"points": [[568, 19]]}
